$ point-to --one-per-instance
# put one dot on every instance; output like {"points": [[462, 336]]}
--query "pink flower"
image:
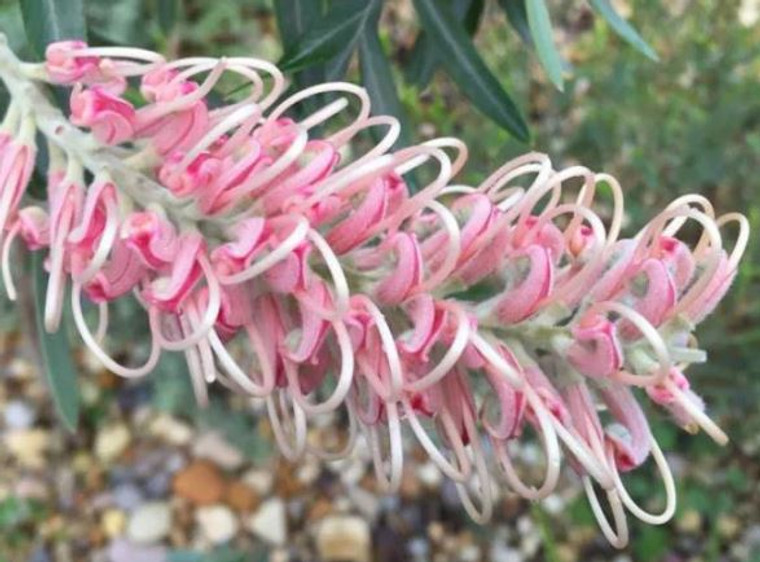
{"points": [[111, 118], [596, 351], [461, 315], [64, 66]]}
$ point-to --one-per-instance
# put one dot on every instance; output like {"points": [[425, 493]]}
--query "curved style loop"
{"points": [[742, 239], [388, 478], [390, 350], [347, 447], [668, 482], [236, 373], [653, 337], [297, 235], [452, 355], [454, 248], [482, 485], [345, 376], [206, 323], [617, 536], [292, 446], [97, 350], [426, 442], [697, 414], [551, 450]]}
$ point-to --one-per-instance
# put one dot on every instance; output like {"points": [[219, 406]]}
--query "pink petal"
{"points": [[521, 300], [631, 448], [596, 350], [408, 273]]}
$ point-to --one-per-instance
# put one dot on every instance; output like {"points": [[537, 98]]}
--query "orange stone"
{"points": [[242, 497], [200, 483]]}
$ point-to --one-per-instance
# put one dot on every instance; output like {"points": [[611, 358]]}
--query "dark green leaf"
{"points": [[337, 31], [541, 29], [622, 27], [117, 22], [422, 61], [294, 17], [47, 21], [378, 78], [169, 12], [466, 67], [56, 354], [518, 18]]}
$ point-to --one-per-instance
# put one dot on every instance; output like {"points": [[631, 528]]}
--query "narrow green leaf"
{"points": [[118, 22], [541, 30], [517, 15], [169, 13], [293, 19], [466, 67], [338, 30], [422, 61], [47, 21], [60, 372], [622, 27], [377, 77]]}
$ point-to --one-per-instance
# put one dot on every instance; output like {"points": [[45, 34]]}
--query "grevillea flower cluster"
{"points": [[288, 259]]}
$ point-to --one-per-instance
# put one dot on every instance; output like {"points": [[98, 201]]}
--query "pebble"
{"points": [[366, 502], [269, 523], [344, 538], [113, 522], [28, 446], [126, 551], [127, 496], [729, 526], [149, 523], [430, 475], [18, 415], [31, 488], [260, 480], [212, 446], [170, 430], [158, 485], [111, 442], [65, 484], [217, 523], [470, 553], [241, 497], [503, 553], [690, 521], [39, 555], [200, 482]]}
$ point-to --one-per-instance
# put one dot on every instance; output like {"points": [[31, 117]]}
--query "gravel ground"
{"points": [[148, 478]]}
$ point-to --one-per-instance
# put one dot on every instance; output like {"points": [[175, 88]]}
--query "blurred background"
{"points": [[149, 477]]}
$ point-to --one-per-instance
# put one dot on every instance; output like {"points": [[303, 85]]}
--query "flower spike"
{"points": [[290, 263]]}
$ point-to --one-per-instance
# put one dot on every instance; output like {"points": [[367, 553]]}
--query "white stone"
{"points": [[217, 523], [429, 475], [212, 446], [170, 430], [344, 538], [366, 502], [18, 415], [260, 480], [149, 523], [111, 442], [28, 446], [269, 522]]}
